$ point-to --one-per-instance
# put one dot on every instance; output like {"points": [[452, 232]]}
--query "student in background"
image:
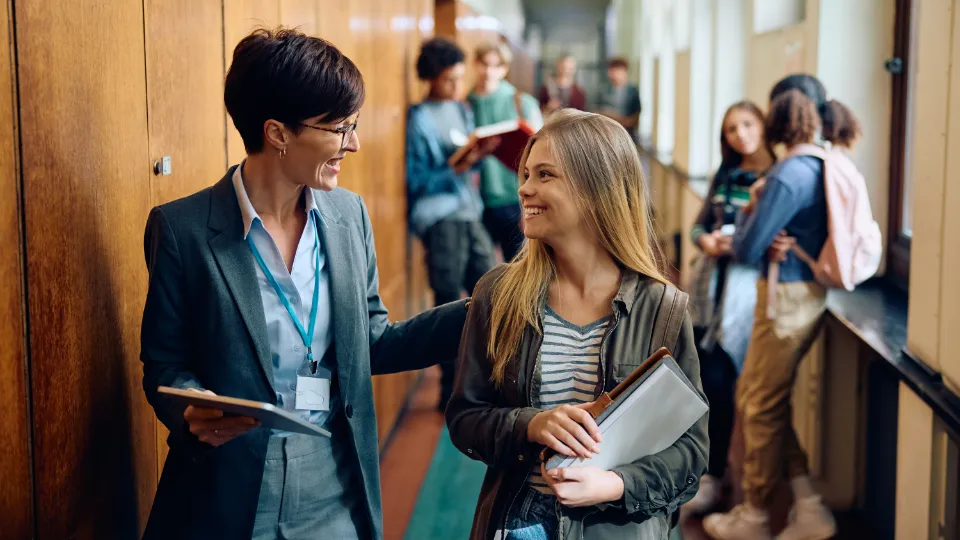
{"points": [[554, 329], [496, 100], [621, 100], [793, 201], [562, 91], [722, 290], [443, 202]]}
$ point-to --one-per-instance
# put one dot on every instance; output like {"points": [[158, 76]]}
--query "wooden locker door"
{"points": [[16, 498], [240, 17], [184, 58], [391, 39], [86, 196], [299, 14]]}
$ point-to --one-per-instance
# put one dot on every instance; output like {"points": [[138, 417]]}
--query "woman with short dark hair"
{"points": [[265, 287], [443, 201]]}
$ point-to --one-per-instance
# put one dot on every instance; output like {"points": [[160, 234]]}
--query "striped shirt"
{"points": [[569, 369]]}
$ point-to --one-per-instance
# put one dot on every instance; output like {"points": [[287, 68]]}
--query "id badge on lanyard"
{"points": [[313, 380], [313, 391]]}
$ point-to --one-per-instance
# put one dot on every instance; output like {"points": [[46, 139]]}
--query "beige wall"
{"points": [[935, 138], [845, 44]]}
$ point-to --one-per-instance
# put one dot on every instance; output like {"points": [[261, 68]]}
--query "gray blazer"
{"points": [[204, 327]]}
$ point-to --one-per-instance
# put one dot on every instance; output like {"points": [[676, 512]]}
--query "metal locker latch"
{"points": [[162, 167]]}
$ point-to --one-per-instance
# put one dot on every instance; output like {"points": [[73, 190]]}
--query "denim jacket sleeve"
{"points": [[659, 484], [427, 171]]}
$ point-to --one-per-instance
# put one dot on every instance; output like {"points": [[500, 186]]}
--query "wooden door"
{"points": [[184, 60], [16, 498], [300, 14], [86, 195]]}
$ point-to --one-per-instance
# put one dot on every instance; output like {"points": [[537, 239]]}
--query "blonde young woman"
{"points": [[569, 319]]}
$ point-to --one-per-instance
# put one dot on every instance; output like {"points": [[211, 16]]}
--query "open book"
{"points": [[642, 416], [513, 134]]}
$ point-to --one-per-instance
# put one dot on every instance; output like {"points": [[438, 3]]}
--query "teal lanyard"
{"points": [[305, 335]]}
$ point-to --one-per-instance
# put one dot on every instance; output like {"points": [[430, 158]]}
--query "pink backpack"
{"points": [[853, 249]]}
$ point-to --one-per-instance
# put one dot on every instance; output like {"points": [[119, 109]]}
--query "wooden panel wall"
{"points": [[16, 498], [100, 108], [452, 20], [184, 105], [87, 194]]}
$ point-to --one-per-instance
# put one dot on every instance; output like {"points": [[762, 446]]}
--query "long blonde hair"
{"points": [[599, 159]]}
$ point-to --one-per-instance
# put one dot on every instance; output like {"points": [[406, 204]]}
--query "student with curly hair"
{"points": [[792, 208], [444, 205]]}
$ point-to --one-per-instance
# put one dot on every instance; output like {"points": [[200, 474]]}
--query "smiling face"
{"points": [[490, 69], [314, 156], [743, 131], [449, 84], [550, 210]]}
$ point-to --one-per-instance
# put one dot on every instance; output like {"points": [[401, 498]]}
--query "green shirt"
{"points": [[498, 183]]}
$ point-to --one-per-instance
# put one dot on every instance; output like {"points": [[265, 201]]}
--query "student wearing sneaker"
{"points": [[793, 200], [722, 290], [567, 320], [495, 100]]}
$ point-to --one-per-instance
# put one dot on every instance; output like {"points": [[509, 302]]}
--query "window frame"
{"points": [[898, 243]]}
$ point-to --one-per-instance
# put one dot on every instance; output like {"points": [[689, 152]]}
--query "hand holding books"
{"points": [[478, 151], [567, 429], [504, 140]]}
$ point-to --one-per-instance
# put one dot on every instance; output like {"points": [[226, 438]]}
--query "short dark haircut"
{"points": [[437, 55], [288, 76], [618, 62]]}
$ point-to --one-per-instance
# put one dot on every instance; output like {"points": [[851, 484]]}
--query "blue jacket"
{"points": [[434, 189], [792, 200]]}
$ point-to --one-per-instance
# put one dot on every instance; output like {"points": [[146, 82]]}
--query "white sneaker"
{"points": [[742, 523], [809, 520], [707, 497]]}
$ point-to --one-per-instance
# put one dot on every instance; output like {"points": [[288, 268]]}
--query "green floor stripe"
{"points": [[448, 497]]}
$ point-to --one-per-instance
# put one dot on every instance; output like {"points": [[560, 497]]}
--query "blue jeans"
{"points": [[533, 516]]}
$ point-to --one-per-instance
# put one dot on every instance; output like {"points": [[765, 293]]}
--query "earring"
{"points": [[283, 152]]}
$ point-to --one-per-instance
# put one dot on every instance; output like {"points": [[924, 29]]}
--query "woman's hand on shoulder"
{"points": [[583, 486]]}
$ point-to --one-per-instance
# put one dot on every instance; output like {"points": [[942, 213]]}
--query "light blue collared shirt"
{"points": [[286, 346]]}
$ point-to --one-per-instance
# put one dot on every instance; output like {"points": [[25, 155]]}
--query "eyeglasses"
{"points": [[344, 131]]}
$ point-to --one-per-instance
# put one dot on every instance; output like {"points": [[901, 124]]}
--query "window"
{"points": [[900, 218]]}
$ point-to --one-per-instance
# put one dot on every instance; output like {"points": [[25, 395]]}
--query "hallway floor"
{"points": [[430, 489]]}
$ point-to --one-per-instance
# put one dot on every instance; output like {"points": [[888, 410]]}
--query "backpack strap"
{"points": [[666, 328]]}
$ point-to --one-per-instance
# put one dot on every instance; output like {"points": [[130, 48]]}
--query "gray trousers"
{"points": [[311, 489]]}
